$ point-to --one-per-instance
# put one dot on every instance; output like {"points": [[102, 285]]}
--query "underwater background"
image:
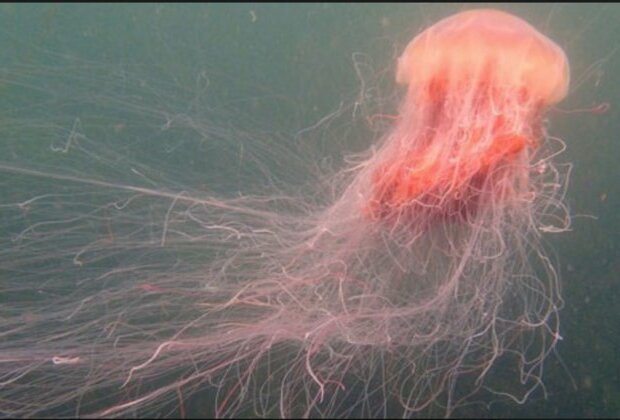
{"points": [[310, 74]]}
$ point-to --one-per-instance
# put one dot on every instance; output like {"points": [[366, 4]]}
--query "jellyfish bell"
{"points": [[478, 83], [485, 46]]}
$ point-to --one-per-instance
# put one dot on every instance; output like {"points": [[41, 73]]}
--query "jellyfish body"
{"points": [[477, 85]]}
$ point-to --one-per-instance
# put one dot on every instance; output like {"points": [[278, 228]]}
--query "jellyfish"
{"points": [[400, 293]]}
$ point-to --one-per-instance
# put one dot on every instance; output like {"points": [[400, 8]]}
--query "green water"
{"points": [[279, 70]]}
